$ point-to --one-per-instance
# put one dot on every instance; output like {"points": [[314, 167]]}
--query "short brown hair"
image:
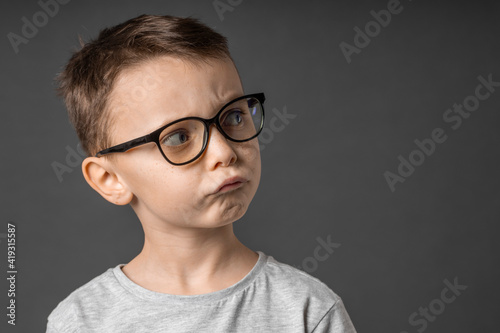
{"points": [[87, 80]]}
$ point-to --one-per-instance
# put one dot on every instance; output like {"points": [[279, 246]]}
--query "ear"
{"points": [[99, 174]]}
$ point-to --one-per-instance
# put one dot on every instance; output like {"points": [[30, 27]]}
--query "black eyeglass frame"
{"points": [[155, 135]]}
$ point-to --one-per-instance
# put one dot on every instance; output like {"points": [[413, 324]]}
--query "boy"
{"points": [[159, 108]]}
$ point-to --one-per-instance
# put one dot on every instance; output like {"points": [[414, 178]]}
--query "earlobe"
{"points": [[100, 176]]}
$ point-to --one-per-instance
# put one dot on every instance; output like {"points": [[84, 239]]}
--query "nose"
{"points": [[219, 150]]}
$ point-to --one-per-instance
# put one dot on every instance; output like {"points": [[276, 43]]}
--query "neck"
{"points": [[191, 261]]}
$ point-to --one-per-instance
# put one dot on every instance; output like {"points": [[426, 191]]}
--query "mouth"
{"points": [[230, 184]]}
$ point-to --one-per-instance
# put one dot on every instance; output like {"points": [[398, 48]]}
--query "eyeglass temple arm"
{"points": [[125, 146]]}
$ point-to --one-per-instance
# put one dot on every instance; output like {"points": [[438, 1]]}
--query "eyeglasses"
{"points": [[184, 140]]}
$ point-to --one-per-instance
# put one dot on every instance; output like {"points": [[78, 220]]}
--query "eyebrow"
{"points": [[232, 97]]}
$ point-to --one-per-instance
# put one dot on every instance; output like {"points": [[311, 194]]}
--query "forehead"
{"points": [[164, 89]]}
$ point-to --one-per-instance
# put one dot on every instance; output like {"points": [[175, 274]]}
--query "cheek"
{"points": [[163, 192], [249, 149], [250, 153], [152, 178]]}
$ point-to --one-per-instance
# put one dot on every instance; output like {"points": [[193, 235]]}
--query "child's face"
{"points": [[163, 195]]}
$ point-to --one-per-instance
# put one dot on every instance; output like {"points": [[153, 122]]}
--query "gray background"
{"points": [[322, 174]]}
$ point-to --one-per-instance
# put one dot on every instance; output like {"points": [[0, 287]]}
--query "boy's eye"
{"points": [[233, 118], [175, 139]]}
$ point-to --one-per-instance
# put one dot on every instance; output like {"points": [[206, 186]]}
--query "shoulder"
{"points": [[83, 301], [302, 284], [299, 292]]}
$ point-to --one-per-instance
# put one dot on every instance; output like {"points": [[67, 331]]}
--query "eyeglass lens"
{"points": [[183, 141]]}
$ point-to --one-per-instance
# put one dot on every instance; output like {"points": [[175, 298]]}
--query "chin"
{"points": [[226, 215]]}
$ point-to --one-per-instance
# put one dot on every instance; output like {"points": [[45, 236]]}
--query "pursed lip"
{"points": [[232, 180]]}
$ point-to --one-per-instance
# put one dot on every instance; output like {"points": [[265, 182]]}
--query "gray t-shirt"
{"points": [[272, 297]]}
